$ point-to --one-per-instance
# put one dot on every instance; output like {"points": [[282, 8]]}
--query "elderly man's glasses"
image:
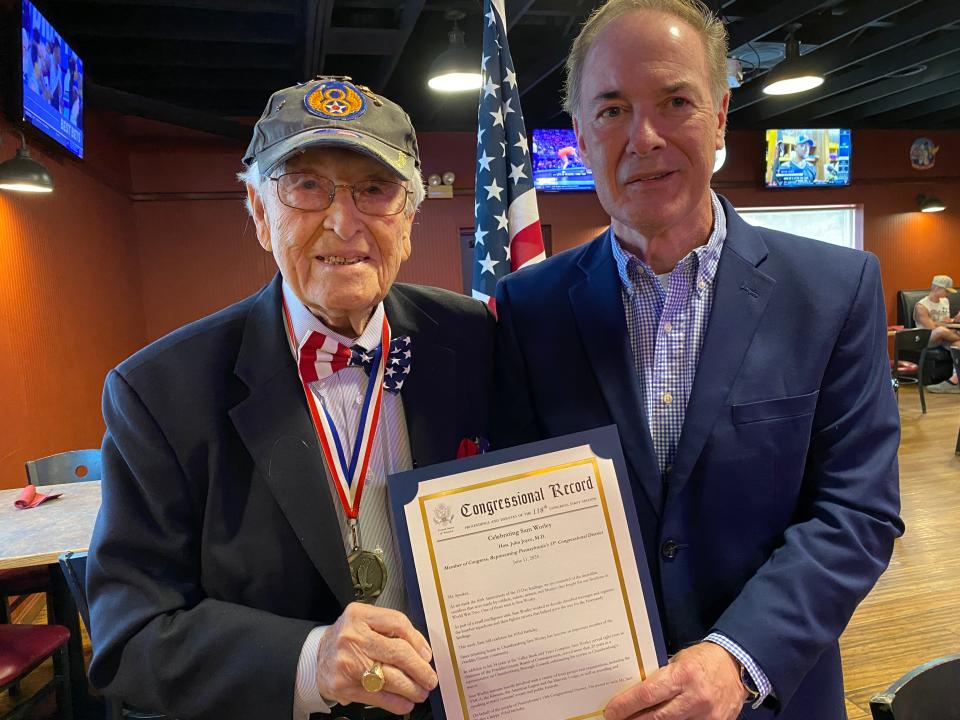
{"points": [[306, 191]]}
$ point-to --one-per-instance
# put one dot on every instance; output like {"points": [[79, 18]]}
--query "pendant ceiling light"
{"points": [[792, 74], [456, 69], [24, 174], [930, 204]]}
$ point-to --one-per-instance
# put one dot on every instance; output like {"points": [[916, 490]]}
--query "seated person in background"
{"points": [[933, 312], [232, 545]]}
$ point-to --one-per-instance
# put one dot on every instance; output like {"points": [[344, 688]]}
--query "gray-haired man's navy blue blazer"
{"points": [[782, 507]]}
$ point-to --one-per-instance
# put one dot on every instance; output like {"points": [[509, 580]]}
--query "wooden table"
{"points": [[39, 536]]}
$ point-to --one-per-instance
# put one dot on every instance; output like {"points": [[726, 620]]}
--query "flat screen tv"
{"points": [[807, 158], [556, 161], [52, 77]]}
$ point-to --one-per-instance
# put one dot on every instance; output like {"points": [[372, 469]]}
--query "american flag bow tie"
{"points": [[321, 357]]}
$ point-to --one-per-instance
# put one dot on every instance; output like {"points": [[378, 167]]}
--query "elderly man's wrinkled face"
{"points": [[647, 124], [340, 262]]}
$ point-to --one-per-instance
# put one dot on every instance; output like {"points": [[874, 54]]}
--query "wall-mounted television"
{"points": [[802, 157], [52, 81], [556, 161]]}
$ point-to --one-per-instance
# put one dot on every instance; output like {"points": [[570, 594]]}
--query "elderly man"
{"points": [[745, 368], [245, 461]]}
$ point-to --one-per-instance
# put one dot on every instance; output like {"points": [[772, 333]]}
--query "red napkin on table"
{"points": [[30, 498]]}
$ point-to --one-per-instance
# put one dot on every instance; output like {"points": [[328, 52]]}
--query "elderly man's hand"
{"points": [[362, 636], [700, 683]]}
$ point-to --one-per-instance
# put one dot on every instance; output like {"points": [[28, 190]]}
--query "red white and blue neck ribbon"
{"points": [[348, 476], [321, 356]]}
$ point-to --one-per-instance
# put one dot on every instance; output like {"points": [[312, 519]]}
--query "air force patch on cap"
{"points": [[335, 100]]}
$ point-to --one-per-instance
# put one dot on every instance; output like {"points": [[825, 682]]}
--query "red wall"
{"points": [[198, 250], [70, 300], [191, 225], [149, 232], [184, 241], [912, 246]]}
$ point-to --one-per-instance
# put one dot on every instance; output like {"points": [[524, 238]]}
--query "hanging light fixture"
{"points": [[24, 174], [791, 75], [720, 157], [929, 203], [456, 69]]}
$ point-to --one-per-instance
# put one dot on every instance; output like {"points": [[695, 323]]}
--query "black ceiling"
{"points": [[888, 63]]}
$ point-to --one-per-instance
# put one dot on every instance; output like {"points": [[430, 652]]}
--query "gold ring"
{"points": [[372, 680]]}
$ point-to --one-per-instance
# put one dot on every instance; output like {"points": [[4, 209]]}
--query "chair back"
{"points": [[66, 467], [73, 565], [911, 339], [929, 691]]}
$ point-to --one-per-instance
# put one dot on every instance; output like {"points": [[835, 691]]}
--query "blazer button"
{"points": [[669, 549]]}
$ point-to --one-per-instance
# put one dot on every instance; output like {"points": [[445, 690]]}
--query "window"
{"points": [[836, 224]]}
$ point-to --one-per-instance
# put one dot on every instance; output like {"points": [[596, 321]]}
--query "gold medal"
{"points": [[368, 573]]}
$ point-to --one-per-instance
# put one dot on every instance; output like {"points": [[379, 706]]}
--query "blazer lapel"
{"points": [[428, 392], [274, 423], [598, 308], [741, 296]]}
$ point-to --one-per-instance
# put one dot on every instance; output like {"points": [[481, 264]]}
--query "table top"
{"points": [[39, 536]]}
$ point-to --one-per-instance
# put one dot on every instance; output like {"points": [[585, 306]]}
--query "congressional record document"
{"points": [[526, 569]]}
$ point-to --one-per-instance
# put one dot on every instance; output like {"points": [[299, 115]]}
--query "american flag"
{"points": [[506, 220]]}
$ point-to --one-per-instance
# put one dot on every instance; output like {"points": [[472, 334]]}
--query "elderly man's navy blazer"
{"points": [[217, 548], [782, 507]]}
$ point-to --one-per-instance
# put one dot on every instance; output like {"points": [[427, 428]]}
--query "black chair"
{"points": [[937, 365], [74, 567], [907, 299], [928, 692], [906, 345]]}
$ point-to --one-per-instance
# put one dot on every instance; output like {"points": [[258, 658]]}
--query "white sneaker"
{"points": [[944, 388]]}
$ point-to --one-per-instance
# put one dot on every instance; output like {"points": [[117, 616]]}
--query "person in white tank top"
{"points": [[933, 311]]}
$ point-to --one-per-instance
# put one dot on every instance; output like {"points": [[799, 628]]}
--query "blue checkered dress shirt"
{"points": [[666, 327]]}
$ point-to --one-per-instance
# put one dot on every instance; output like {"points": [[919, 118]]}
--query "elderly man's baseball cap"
{"points": [[333, 112], [944, 281]]}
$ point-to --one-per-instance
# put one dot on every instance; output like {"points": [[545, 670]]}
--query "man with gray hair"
{"points": [[758, 423], [243, 563]]}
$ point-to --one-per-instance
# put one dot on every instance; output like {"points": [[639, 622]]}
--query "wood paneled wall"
{"points": [[70, 299], [150, 233], [912, 246]]}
